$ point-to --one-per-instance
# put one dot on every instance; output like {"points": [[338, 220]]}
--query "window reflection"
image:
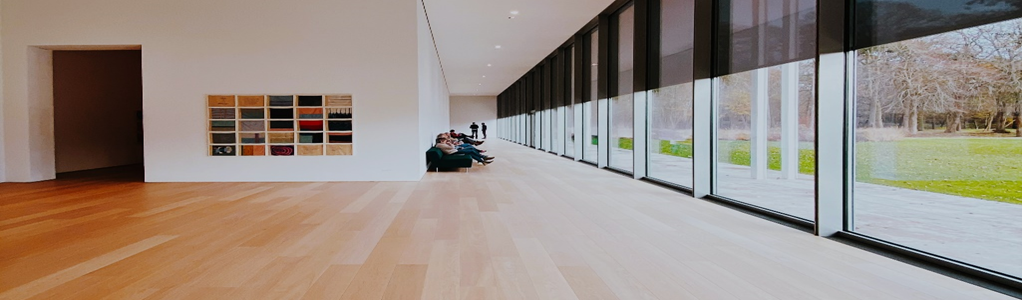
{"points": [[765, 151]]}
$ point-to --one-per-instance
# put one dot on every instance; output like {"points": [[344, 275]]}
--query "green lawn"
{"points": [[985, 168]]}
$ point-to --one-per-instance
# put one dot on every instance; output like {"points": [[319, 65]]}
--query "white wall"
{"points": [[479, 109], [434, 97], [192, 48]]}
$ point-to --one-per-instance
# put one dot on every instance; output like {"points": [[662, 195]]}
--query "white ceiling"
{"points": [[467, 32]]}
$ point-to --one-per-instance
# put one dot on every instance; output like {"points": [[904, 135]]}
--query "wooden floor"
{"points": [[529, 226]]}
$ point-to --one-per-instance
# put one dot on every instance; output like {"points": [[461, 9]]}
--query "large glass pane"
{"points": [[765, 150], [569, 114], [670, 143], [622, 114], [938, 151], [589, 108]]}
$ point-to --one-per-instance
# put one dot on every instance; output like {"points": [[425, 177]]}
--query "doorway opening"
{"points": [[97, 113]]}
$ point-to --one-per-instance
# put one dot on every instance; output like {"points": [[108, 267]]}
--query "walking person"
{"points": [[475, 130], [484, 131]]}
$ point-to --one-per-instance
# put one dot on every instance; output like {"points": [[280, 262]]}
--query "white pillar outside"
{"points": [[579, 132], [603, 132], [760, 123], [789, 120], [560, 127]]}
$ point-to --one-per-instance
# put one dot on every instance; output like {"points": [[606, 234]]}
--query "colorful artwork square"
{"points": [[221, 113], [338, 113], [282, 125], [310, 138], [282, 138], [310, 100], [310, 150], [339, 137], [310, 113], [253, 113], [220, 101], [253, 150], [310, 125], [223, 138], [251, 101], [282, 100], [223, 150], [339, 125], [253, 125], [253, 138], [339, 150], [288, 150], [221, 126], [338, 100], [282, 113]]}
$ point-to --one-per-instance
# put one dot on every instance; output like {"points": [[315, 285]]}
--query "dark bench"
{"points": [[436, 159]]}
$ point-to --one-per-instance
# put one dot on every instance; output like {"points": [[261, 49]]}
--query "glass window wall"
{"points": [[938, 146], [670, 106], [765, 130], [569, 114], [622, 114], [589, 108]]}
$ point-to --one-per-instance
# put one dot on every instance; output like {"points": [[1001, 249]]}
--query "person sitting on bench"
{"points": [[448, 148], [464, 138]]}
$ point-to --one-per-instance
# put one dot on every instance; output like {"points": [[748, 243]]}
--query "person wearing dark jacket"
{"points": [[475, 130], [484, 131]]}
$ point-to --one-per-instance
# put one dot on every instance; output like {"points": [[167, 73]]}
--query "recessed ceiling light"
{"points": [[484, 76], [594, 64], [514, 12], [489, 65], [497, 46]]}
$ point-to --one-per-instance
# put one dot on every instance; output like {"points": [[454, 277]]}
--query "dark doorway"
{"points": [[97, 110]]}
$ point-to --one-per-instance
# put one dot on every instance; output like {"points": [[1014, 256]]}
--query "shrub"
{"points": [[665, 146], [625, 143]]}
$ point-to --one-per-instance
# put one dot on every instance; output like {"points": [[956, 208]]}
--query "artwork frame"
{"points": [[280, 125]]}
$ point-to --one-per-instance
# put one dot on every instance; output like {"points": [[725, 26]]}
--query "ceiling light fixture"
{"points": [[497, 46], [514, 12], [489, 65], [484, 76]]}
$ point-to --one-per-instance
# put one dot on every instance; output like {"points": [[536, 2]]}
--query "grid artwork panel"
{"points": [[280, 125]]}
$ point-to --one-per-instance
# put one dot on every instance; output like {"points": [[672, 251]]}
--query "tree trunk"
{"points": [[1018, 123], [999, 122], [913, 121], [876, 117], [953, 121], [990, 122]]}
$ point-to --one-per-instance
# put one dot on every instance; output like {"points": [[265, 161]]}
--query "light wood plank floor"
{"points": [[530, 226]]}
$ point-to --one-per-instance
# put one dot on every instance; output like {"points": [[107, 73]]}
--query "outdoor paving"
{"points": [[976, 231]]}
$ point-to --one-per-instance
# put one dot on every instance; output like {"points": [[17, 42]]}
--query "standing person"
{"points": [[475, 130], [484, 131]]}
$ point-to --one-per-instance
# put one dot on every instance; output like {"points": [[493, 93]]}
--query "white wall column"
{"points": [[789, 120], [834, 140], [760, 123]]}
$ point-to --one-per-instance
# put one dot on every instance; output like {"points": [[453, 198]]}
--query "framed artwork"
{"points": [[280, 125]]}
